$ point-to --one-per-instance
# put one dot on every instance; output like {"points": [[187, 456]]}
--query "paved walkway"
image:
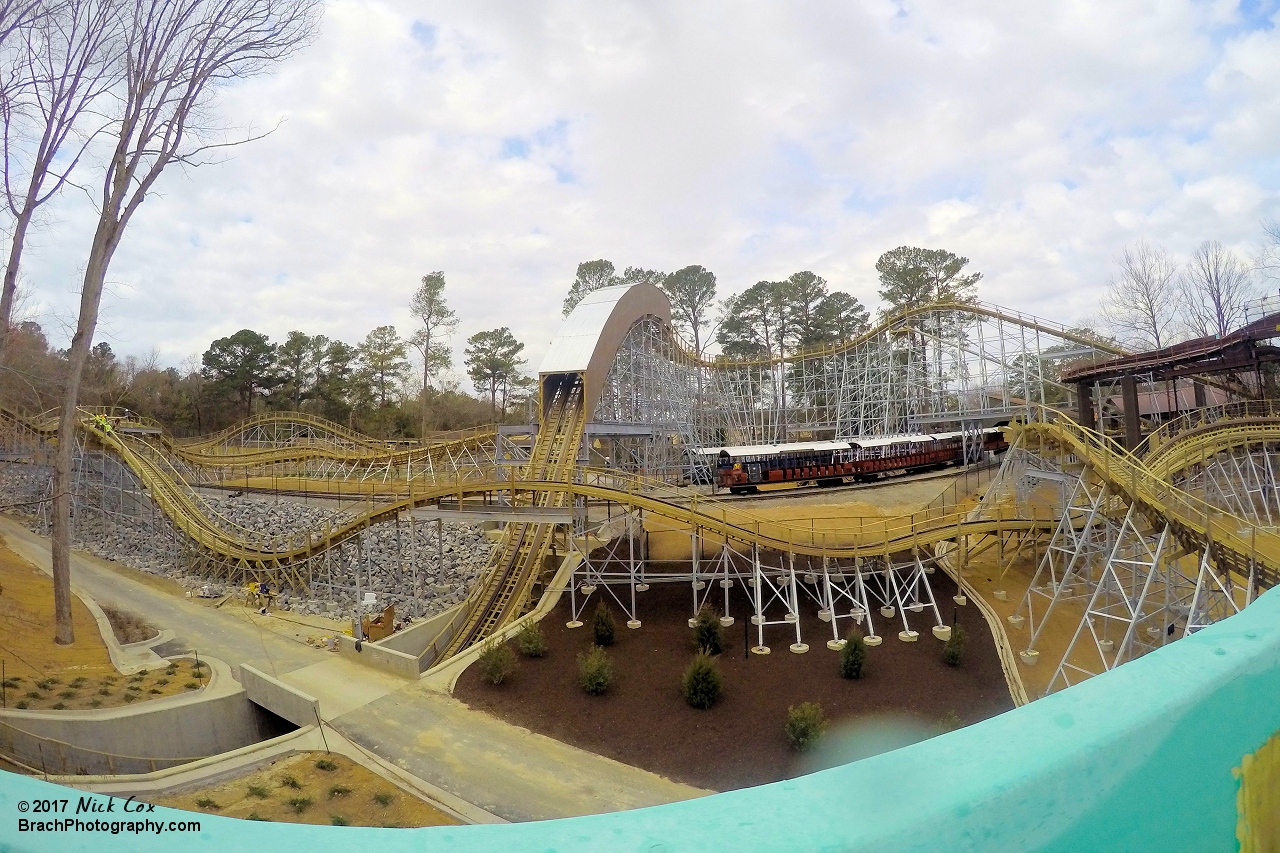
{"points": [[507, 770]]}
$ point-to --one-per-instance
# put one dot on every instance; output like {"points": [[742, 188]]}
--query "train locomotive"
{"points": [[742, 470]]}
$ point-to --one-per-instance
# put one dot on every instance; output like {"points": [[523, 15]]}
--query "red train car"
{"points": [[742, 470]]}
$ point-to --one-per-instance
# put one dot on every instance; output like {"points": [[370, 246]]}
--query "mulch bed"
{"points": [[643, 720]]}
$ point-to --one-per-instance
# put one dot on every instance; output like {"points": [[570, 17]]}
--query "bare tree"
{"points": [[174, 55], [16, 14], [431, 338], [1267, 262], [1215, 285], [53, 77], [1140, 304]]}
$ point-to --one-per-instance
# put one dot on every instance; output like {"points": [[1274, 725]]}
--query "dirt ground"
{"points": [[41, 675], [345, 795], [643, 720]]}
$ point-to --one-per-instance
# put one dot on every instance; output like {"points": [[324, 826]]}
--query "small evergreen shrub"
{"points": [[603, 625], [300, 804], [595, 671], [953, 649], [950, 722], [289, 782], [702, 682], [339, 791], [259, 791], [708, 635], [497, 662], [530, 641], [805, 724], [383, 799], [338, 820], [326, 765], [853, 657], [206, 803]]}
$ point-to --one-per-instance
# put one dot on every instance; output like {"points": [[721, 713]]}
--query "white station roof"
{"points": [[574, 344], [801, 447]]}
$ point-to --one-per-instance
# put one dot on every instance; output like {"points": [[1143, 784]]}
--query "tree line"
{"points": [[778, 318]]}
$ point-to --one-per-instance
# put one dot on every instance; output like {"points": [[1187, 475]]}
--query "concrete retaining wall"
{"points": [[379, 657], [135, 739], [279, 698], [412, 641]]}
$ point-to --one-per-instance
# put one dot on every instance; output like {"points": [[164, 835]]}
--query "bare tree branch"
{"points": [[62, 66], [1267, 261], [174, 55], [1140, 305], [1215, 285]]}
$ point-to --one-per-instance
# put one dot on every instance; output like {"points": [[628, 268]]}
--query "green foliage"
{"points": [[950, 722], [383, 799], [256, 816], [805, 724], [603, 626], [494, 364], [911, 277], [207, 803], [530, 641], [708, 635], [258, 791], [701, 682], [691, 290], [288, 781], [339, 791], [432, 338], [497, 662], [592, 276], [953, 649], [300, 804], [383, 362], [782, 317], [853, 657], [595, 671], [326, 765], [243, 363], [338, 820]]}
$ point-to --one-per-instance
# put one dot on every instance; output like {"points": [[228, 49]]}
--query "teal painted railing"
{"points": [[1141, 758]]}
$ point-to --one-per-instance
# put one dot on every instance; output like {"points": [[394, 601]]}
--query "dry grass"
{"points": [[296, 790], [127, 627], [34, 664]]}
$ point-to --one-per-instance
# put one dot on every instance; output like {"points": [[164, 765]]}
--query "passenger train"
{"points": [[830, 463]]}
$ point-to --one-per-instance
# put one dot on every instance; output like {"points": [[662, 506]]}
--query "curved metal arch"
{"points": [[593, 332]]}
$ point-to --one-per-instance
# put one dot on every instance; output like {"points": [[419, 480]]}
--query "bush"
{"points": [[326, 765], [603, 625], [805, 724], [338, 820], [708, 636], [339, 791], [207, 803], [300, 804], [383, 799], [259, 791], [853, 658], [702, 682], [953, 649], [595, 671], [497, 661], [530, 641]]}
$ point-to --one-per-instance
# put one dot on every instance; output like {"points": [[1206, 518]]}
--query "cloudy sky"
{"points": [[504, 142]]}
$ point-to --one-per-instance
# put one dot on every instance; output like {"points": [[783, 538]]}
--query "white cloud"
{"points": [[504, 142]]}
